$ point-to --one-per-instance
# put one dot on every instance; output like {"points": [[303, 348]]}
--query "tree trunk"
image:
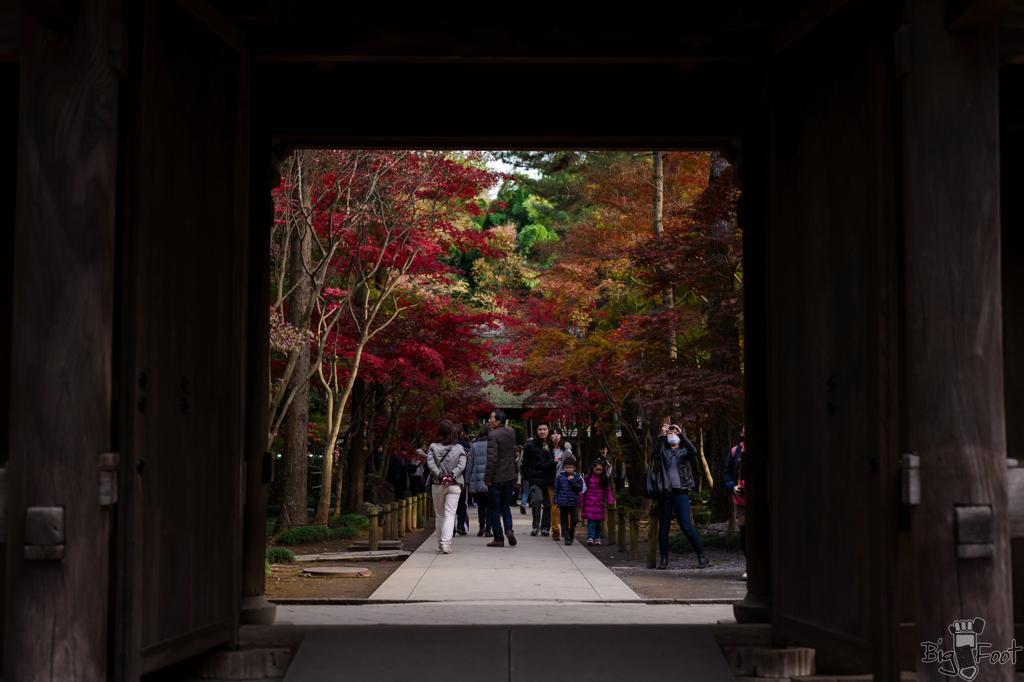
{"points": [[718, 446], [667, 298], [356, 448], [296, 422], [339, 479]]}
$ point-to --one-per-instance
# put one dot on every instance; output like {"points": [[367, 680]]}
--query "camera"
{"points": [[741, 490], [447, 480]]}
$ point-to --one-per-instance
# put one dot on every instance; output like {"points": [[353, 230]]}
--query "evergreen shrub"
{"points": [[279, 555]]}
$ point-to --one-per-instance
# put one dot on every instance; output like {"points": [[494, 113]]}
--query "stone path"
{"points": [[536, 569], [498, 613], [537, 611]]}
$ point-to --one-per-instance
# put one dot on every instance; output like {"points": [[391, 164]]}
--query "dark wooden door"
{"points": [[184, 317], [833, 342]]}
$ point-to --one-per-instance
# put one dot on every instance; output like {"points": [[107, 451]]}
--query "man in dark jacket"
{"points": [[539, 464], [462, 510], [500, 477]]}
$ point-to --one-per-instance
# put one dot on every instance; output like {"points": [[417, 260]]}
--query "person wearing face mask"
{"points": [[539, 464], [675, 451]]}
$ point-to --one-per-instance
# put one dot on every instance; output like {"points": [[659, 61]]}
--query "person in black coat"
{"points": [[675, 452], [539, 463], [462, 515]]}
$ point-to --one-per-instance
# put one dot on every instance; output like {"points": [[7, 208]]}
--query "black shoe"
{"points": [[544, 533], [488, 534], [511, 537], [481, 533], [461, 532], [534, 532], [664, 563], [522, 509], [702, 560]]}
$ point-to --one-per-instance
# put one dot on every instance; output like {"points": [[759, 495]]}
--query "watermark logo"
{"points": [[968, 652]]}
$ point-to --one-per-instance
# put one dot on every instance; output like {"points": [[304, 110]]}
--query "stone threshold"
{"points": [[342, 601]]}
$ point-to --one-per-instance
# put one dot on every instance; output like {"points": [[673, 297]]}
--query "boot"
{"points": [[481, 533], [555, 536], [496, 543], [488, 533], [702, 559], [511, 538], [664, 563]]}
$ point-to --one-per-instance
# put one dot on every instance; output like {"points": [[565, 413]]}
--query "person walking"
{"points": [[598, 496], [500, 478], [540, 466], [474, 475], [568, 486], [417, 477], [560, 449], [415, 469], [397, 476], [523, 483], [462, 512], [736, 485], [446, 460], [674, 450]]}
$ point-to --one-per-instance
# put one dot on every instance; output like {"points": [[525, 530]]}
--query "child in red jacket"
{"points": [[599, 493]]}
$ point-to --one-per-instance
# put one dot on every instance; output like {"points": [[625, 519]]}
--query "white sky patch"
{"points": [[502, 167]]}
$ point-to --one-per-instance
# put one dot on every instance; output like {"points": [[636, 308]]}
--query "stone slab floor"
{"points": [[537, 611]]}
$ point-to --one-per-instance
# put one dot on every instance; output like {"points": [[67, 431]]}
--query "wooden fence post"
{"points": [[386, 508], [401, 518], [634, 535], [652, 539], [608, 529], [621, 513], [372, 542], [409, 520]]}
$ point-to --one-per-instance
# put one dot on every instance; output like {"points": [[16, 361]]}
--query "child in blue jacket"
{"points": [[568, 486]]}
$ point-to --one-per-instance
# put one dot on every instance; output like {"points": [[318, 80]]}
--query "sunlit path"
{"points": [[537, 569]]}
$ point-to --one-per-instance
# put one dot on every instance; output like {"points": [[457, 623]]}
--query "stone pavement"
{"points": [[537, 582], [498, 613], [538, 611], [536, 569]]}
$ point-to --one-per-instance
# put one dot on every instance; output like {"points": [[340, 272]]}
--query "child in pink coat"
{"points": [[599, 493]]}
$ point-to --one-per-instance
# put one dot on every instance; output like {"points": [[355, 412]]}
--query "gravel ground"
{"points": [[722, 579]]}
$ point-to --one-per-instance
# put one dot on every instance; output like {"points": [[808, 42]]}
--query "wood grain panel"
{"points": [[61, 346], [187, 319], [954, 360], [832, 342], [8, 193]]}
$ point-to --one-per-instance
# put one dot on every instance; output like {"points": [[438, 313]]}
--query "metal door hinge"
{"points": [[910, 478], [975, 538], [109, 463], [44, 534]]}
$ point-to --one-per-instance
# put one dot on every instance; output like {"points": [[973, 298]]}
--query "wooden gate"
{"points": [[183, 319], [832, 341]]}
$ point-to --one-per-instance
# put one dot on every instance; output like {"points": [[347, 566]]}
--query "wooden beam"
{"points": [[971, 14], [804, 22], [437, 120], [52, 13], [216, 22]]}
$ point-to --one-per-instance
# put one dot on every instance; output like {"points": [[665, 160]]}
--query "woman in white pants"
{"points": [[446, 460]]}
